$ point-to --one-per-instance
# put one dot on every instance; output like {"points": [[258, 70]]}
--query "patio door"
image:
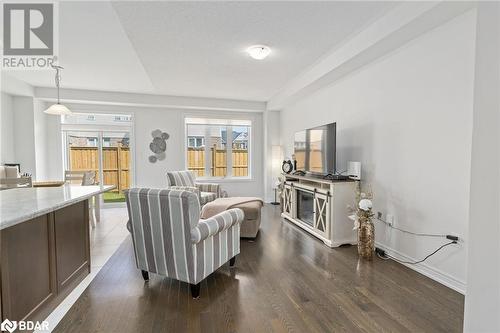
{"points": [[105, 152], [115, 156]]}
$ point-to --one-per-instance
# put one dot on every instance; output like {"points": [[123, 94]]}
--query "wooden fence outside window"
{"points": [[115, 163], [196, 162]]}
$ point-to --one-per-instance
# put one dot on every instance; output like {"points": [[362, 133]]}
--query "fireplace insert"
{"points": [[305, 206]]}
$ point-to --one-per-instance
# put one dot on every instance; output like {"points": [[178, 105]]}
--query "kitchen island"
{"points": [[44, 247]]}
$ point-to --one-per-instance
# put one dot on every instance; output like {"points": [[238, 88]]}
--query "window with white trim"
{"points": [[218, 148]]}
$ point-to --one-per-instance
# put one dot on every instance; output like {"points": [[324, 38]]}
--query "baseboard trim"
{"points": [[427, 270]]}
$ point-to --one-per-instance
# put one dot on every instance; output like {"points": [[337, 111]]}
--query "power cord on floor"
{"points": [[382, 255]]}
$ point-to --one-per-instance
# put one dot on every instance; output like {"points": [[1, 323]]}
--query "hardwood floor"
{"points": [[286, 280]]}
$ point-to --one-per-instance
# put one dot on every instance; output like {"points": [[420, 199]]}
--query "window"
{"points": [[195, 141], [218, 147]]}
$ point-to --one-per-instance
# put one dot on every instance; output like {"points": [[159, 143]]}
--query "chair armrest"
{"points": [[216, 224], [186, 188], [209, 187]]}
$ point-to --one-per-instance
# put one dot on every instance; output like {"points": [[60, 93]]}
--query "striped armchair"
{"points": [[170, 239], [185, 180]]}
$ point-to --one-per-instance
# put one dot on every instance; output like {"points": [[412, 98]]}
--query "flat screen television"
{"points": [[315, 149]]}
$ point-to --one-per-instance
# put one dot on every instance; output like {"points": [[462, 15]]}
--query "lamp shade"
{"points": [[58, 109]]}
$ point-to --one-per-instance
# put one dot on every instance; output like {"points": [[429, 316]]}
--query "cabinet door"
{"points": [[27, 268], [321, 213], [287, 199], [72, 243]]}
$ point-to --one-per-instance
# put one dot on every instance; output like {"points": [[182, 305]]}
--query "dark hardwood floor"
{"points": [[286, 280]]}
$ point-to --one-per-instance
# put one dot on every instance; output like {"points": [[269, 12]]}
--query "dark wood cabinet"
{"points": [[72, 250], [42, 259]]}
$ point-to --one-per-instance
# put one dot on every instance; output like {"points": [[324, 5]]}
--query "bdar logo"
{"points": [[9, 326]]}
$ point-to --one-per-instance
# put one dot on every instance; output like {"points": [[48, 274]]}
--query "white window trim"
{"points": [[228, 121]]}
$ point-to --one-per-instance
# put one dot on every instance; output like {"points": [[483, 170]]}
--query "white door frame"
{"points": [[99, 131]]}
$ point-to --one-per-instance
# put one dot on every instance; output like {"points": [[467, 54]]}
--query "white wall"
{"points": [[40, 136], [408, 119], [24, 134], [7, 151], [172, 121], [54, 160], [271, 121], [30, 137], [482, 301]]}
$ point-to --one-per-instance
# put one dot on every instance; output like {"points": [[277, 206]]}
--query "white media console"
{"points": [[320, 207]]}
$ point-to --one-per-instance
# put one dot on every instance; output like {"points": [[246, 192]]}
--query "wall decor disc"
{"points": [[158, 145], [156, 133]]}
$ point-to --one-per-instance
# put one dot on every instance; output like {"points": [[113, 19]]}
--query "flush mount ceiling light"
{"points": [[57, 109], [259, 52]]}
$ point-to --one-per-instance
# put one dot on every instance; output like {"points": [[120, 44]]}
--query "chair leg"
{"points": [[97, 208], [232, 261], [195, 290], [92, 218], [145, 275]]}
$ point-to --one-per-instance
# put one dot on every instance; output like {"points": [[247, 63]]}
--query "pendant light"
{"points": [[58, 109]]}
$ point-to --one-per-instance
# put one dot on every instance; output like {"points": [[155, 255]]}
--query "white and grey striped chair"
{"points": [[185, 180], [171, 240]]}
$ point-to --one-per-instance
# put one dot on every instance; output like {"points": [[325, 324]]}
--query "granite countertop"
{"points": [[21, 204]]}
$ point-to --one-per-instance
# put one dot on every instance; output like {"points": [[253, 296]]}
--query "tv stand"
{"points": [[335, 177], [320, 207]]}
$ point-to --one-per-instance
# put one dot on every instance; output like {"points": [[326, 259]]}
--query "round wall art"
{"points": [[158, 146]]}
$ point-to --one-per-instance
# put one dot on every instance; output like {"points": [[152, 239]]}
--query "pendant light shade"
{"points": [[58, 109]]}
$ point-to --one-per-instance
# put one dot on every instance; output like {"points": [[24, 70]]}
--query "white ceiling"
{"points": [[197, 48]]}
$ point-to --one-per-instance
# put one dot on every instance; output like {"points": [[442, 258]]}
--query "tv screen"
{"points": [[315, 149], [300, 150]]}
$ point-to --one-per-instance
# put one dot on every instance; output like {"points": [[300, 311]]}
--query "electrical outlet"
{"points": [[390, 219]]}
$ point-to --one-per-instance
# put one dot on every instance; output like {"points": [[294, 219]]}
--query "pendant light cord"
{"points": [[57, 78]]}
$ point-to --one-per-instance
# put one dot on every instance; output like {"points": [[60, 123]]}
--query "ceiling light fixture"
{"points": [[57, 109], [259, 52]]}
